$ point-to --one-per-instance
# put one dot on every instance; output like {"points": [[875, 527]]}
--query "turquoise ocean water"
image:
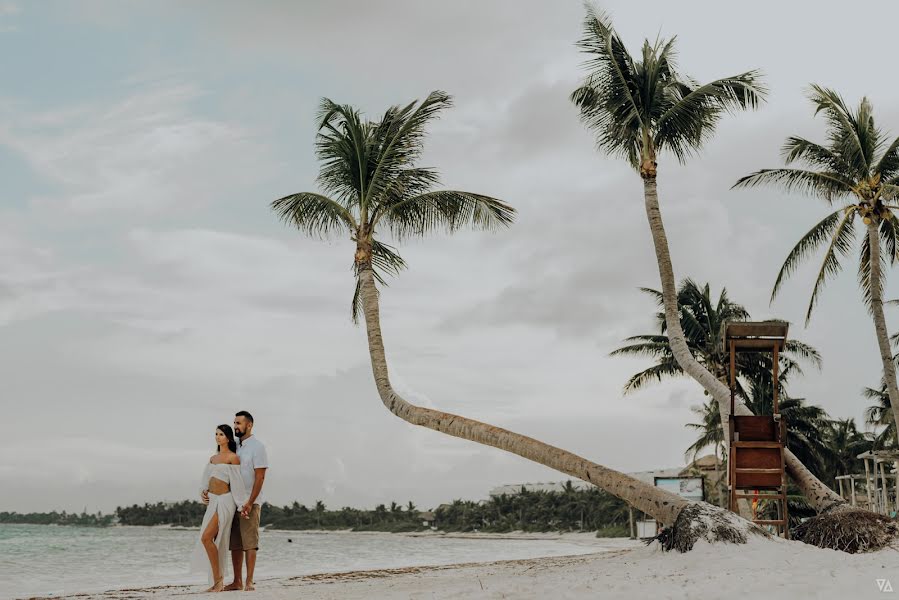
{"points": [[53, 560]]}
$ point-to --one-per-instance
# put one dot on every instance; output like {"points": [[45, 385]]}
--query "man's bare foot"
{"points": [[233, 587], [218, 586], [250, 587]]}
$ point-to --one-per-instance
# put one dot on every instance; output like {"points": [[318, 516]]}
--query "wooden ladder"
{"points": [[757, 472]]}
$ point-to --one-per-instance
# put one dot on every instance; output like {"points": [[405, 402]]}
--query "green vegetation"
{"points": [[568, 510], [187, 513], [56, 518]]}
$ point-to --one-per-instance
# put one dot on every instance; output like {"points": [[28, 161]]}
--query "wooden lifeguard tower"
{"points": [[756, 468]]}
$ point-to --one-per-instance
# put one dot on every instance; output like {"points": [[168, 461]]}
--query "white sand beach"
{"points": [[775, 568]]}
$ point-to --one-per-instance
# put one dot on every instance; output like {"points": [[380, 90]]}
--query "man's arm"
{"points": [[257, 487]]}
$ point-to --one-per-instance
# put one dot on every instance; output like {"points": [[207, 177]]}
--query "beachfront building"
{"points": [[649, 477], [427, 518]]}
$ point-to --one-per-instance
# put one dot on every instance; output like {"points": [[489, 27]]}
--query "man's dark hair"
{"points": [[246, 415]]}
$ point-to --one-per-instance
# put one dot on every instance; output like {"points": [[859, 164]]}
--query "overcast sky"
{"points": [[147, 292]]}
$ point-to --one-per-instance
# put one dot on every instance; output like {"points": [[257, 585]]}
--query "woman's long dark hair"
{"points": [[229, 433]]}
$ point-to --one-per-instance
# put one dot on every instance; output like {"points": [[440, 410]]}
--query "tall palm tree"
{"points": [[846, 442], [710, 434], [369, 168], [857, 169], [880, 415], [639, 108]]}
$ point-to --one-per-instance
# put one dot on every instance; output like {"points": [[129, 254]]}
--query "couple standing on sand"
{"points": [[231, 488]]}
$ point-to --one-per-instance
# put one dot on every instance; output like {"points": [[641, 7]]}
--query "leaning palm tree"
{"points": [[639, 108], [372, 185], [857, 169]]}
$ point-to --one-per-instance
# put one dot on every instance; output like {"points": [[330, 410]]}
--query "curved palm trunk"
{"points": [[880, 324], [662, 506], [822, 498]]}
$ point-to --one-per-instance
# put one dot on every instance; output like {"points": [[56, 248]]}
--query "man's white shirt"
{"points": [[252, 456]]}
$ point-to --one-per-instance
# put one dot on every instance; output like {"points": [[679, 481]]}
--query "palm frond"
{"points": [[890, 191], [656, 373], [804, 351], [656, 294], [344, 147], [810, 242], [843, 131], [356, 304], [400, 135], [447, 209], [648, 348], [609, 96], [827, 185], [889, 229], [694, 112], [314, 214], [864, 273], [888, 166], [385, 260], [816, 155], [840, 245]]}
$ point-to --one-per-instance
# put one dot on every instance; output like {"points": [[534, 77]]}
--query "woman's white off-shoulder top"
{"points": [[230, 474]]}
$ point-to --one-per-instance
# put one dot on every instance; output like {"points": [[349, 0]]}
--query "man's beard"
{"points": [[238, 433]]}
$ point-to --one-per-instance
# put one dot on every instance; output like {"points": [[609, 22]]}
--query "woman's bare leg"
{"points": [[208, 539]]}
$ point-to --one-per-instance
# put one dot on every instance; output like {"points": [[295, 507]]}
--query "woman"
{"points": [[226, 490]]}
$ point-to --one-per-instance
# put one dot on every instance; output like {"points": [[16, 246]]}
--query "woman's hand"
{"points": [[204, 495]]}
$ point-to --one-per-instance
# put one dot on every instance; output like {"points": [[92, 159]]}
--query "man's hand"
{"points": [[205, 496]]}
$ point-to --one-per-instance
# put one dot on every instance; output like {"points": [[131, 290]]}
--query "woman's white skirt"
{"points": [[224, 506]]}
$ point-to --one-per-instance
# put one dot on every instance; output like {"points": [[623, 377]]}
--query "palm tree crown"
{"points": [[371, 182], [702, 319], [855, 168], [639, 107]]}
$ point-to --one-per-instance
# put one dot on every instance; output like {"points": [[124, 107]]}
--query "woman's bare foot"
{"points": [[249, 587], [218, 586], [234, 586]]}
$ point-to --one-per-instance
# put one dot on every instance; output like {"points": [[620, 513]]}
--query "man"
{"points": [[245, 526]]}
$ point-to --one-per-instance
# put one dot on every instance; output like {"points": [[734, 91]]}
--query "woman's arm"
{"points": [[204, 483]]}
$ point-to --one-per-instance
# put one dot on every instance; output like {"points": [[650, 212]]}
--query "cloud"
{"points": [[146, 291], [8, 10], [144, 153]]}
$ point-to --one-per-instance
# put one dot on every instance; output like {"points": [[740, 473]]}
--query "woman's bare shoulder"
{"points": [[233, 459]]}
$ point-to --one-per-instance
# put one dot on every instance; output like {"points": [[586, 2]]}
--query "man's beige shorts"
{"points": [[245, 532]]}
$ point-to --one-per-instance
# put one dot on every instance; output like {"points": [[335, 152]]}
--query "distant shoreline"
{"points": [[517, 534]]}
